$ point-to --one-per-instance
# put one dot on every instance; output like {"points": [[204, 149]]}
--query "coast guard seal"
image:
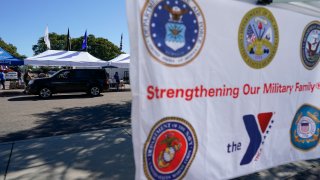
{"points": [[258, 38], [170, 149], [310, 50], [305, 128], [173, 30]]}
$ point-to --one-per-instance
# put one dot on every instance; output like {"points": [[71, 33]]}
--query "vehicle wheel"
{"points": [[45, 93], [94, 91]]}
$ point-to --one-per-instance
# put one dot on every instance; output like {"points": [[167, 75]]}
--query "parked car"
{"points": [[91, 81], [51, 73]]}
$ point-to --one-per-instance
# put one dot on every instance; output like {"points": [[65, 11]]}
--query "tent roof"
{"points": [[122, 61], [65, 58], [8, 60], [121, 58]]}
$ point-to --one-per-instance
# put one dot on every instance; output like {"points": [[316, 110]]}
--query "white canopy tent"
{"points": [[65, 58], [122, 61]]}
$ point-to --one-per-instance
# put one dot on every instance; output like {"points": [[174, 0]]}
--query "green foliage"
{"points": [[11, 49], [43, 69], [58, 42], [98, 47]]}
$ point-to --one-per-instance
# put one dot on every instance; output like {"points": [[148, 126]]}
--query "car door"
{"points": [[61, 82], [79, 80]]}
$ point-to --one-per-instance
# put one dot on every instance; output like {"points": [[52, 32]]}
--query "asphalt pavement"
{"points": [[80, 137], [28, 116], [103, 154]]}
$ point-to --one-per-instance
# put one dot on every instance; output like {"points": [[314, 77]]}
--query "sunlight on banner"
{"points": [[222, 88]]}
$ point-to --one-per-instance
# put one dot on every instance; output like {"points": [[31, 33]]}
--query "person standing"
{"points": [[2, 79], [19, 77], [116, 77], [26, 78]]}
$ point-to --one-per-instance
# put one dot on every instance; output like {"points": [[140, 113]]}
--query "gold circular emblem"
{"points": [[170, 149], [258, 38]]}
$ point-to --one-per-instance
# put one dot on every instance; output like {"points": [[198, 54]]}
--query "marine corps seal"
{"points": [[258, 37], [170, 149]]}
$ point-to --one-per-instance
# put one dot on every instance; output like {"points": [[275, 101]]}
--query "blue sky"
{"points": [[23, 22]]}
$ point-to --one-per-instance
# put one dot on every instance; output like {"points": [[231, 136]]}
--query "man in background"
{"points": [[19, 77], [116, 77], [2, 79]]}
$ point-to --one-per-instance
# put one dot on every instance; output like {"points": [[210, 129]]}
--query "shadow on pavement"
{"points": [[98, 155], [91, 154], [10, 93], [309, 169], [54, 97], [75, 120]]}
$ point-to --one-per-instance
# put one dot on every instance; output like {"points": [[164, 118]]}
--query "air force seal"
{"points": [[173, 30], [305, 128], [310, 50], [258, 37], [170, 149]]}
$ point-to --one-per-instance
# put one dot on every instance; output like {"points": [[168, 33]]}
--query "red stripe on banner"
{"points": [[264, 120]]}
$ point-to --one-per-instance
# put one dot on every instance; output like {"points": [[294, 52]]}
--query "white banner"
{"points": [[221, 88], [11, 75]]}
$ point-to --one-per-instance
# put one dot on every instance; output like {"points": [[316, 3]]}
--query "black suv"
{"points": [[91, 81]]}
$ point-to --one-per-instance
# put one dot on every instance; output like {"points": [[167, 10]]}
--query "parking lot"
{"points": [[27, 117], [95, 125]]}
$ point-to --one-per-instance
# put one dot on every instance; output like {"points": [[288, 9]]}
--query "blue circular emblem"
{"points": [[305, 128], [174, 30], [170, 149], [310, 49]]}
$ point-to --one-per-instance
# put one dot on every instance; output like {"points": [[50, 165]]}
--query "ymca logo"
{"points": [[258, 130]]}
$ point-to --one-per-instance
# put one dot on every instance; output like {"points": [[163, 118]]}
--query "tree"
{"points": [[98, 47], [58, 42], [11, 49]]}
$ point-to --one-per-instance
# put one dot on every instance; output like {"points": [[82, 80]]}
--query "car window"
{"points": [[52, 73], [90, 73], [81, 74], [64, 75], [100, 74]]}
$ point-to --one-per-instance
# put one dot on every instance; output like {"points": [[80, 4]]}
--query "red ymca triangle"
{"points": [[264, 120]]}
